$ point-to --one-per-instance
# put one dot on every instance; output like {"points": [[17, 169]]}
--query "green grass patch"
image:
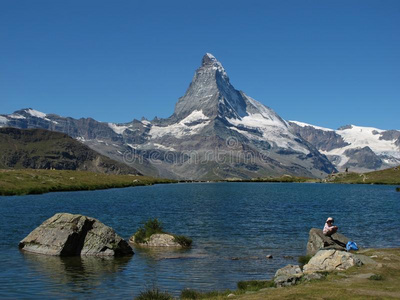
{"points": [[388, 176], [303, 260], [154, 294], [193, 294], [255, 285], [30, 181], [154, 226], [376, 277], [243, 287]]}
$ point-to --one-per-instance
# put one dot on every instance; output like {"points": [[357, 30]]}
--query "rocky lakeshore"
{"points": [[330, 273], [368, 281]]}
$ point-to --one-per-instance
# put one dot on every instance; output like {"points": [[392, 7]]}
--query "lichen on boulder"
{"points": [[66, 234]]}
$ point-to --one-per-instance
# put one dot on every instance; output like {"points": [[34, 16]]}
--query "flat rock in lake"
{"points": [[66, 234], [158, 240]]}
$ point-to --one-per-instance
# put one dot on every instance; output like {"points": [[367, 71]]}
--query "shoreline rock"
{"points": [[331, 260], [66, 234], [288, 275], [318, 241]]}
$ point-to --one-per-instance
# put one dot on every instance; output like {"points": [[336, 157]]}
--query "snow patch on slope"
{"points": [[159, 146], [302, 124], [271, 127], [118, 129], [145, 122], [36, 113], [182, 128], [3, 121], [16, 116], [360, 137]]}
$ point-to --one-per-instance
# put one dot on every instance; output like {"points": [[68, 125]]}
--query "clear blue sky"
{"points": [[328, 63]]}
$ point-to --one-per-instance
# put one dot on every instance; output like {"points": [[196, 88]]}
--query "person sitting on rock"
{"points": [[329, 228]]}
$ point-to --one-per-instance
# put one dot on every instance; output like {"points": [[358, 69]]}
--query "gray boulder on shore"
{"points": [[317, 241], [288, 275], [66, 234], [331, 260]]}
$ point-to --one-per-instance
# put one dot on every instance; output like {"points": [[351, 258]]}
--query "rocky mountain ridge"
{"points": [[215, 132]]}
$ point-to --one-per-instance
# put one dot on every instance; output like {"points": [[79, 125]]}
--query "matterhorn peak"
{"points": [[209, 60]]}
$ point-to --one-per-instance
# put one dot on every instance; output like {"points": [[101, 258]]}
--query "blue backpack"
{"points": [[351, 246]]}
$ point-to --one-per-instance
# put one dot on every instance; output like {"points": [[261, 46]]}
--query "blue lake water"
{"points": [[233, 226]]}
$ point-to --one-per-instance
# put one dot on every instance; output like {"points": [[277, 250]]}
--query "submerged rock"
{"points": [[158, 240], [331, 260], [66, 234], [317, 241], [288, 275]]}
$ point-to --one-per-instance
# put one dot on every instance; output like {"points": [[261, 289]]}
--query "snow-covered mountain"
{"points": [[217, 132], [354, 147]]}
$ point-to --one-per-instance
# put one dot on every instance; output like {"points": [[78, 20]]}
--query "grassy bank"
{"points": [[28, 181], [388, 176]]}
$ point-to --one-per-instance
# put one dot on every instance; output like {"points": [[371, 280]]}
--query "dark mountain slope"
{"points": [[43, 149]]}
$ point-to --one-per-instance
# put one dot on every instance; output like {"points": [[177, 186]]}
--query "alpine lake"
{"points": [[234, 226]]}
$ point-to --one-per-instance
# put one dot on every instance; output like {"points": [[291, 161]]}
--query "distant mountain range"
{"points": [[353, 147], [218, 132], [43, 149]]}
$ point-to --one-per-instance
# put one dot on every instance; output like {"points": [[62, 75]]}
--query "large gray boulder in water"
{"points": [[317, 241], [66, 234]]}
